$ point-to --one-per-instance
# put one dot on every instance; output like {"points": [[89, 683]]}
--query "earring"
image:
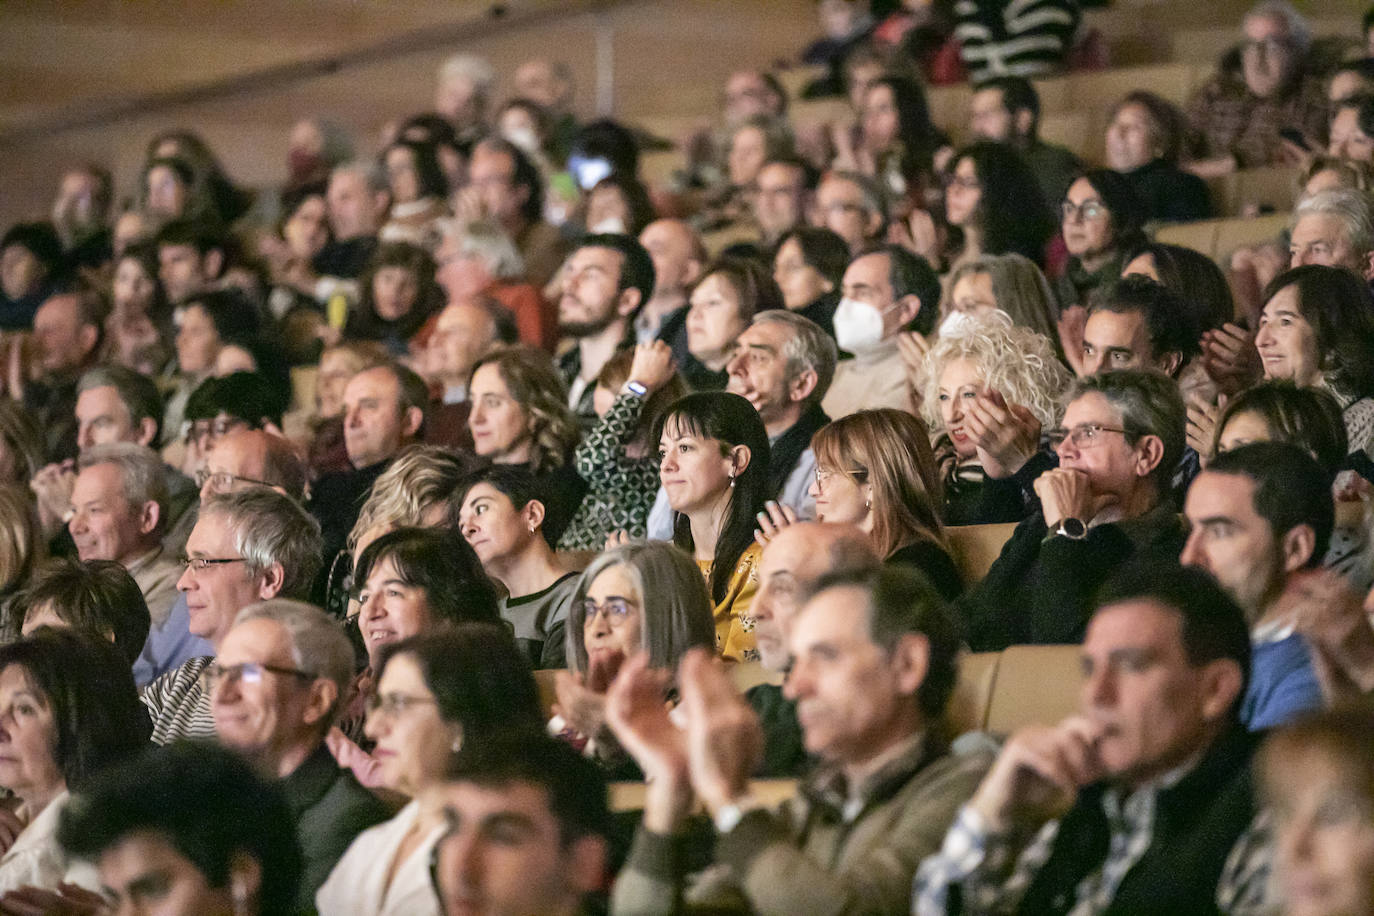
{"points": [[732, 478], [457, 745], [868, 502]]}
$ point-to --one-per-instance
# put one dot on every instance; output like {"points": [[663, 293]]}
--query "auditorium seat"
{"points": [[968, 706], [1268, 189], [1218, 238], [975, 547], [1033, 685]]}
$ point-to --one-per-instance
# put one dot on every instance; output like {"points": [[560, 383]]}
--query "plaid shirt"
{"points": [[1232, 119], [994, 870]]}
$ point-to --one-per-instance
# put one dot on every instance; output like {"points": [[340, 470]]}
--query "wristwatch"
{"points": [[728, 816], [636, 389], [1072, 528]]}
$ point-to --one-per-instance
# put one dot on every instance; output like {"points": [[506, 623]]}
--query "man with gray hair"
{"points": [[1240, 115], [463, 94], [357, 199], [1106, 503], [850, 205], [1334, 228], [246, 547], [282, 674], [117, 513]]}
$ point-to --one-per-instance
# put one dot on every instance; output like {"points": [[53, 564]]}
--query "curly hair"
{"points": [[533, 383], [1017, 362], [421, 477]]}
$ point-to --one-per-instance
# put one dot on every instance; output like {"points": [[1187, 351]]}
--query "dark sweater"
{"points": [[1170, 194], [933, 560]]}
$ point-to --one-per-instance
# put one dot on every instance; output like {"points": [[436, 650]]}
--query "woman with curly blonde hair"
{"points": [[989, 392], [875, 470], [520, 415]]}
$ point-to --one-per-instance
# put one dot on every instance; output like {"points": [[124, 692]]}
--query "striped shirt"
{"points": [[1015, 38], [179, 707]]}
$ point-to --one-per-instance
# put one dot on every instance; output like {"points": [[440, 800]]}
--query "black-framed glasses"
{"points": [[223, 480], [396, 704], [1084, 435], [617, 610], [246, 673], [201, 563]]}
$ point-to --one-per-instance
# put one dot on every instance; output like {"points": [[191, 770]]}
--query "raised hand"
{"points": [[1202, 426], [1007, 435], [1335, 623], [653, 365], [774, 517], [1038, 774], [1230, 359], [638, 718], [724, 738]]}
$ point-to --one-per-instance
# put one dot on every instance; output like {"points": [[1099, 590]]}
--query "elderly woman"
{"points": [[1144, 145], [520, 416], [500, 512], [434, 694], [478, 259], [975, 383], [68, 709], [645, 596]]}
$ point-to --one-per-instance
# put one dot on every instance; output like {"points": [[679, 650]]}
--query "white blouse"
{"points": [[37, 859], [357, 885]]}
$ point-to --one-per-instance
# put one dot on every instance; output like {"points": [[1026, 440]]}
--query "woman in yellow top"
{"points": [[713, 463]]}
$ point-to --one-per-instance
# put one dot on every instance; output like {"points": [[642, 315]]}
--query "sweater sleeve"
{"points": [[598, 457]]}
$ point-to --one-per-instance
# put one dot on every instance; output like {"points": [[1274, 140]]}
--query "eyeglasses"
{"points": [[246, 673], [962, 182], [1085, 435], [201, 563], [199, 429], [1087, 211], [823, 475], [396, 704], [223, 480], [617, 610]]}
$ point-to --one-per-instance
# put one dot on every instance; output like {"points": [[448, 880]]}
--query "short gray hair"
{"points": [[1150, 405], [142, 474], [1295, 24], [486, 239], [136, 392], [874, 200], [807, 347], [1349, 206], [474, 69], [675, 608], [269, 529], [318, 644], [371, 172]]}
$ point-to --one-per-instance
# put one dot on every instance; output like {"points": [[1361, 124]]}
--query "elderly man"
{"points": [[504, 184], [357, 199], [679, 257], [874, 664], [606, 281], [117, 509], [1260, 520], [850, 205], [1106, 502], [887, 292], [1334, 228], [1240, 115], [246, 547], [549, 796], [781, 196], [67, 329], [794, 561], [279, 680], [1133, 804], [1006, 109], [463, 92], [1137, 323]]}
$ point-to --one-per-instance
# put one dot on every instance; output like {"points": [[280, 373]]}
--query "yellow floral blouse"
{"points": [[734, 624]]}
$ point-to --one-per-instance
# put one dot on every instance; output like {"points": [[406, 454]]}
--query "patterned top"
{"points": [[734, 623], [178, 705], [1234, 120], [620, 489]]}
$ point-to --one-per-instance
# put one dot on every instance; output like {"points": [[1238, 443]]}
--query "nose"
{"points": [[185, 580], [83, 437], [1066, 449], [1265, 335], [78, 523], [352, 416], [1295, 841], [372, 608], [735, 365], [667, 464], [1099, 687], [814, 490], [598, 625], [374, 724], [1193, 554], [798, 682]]}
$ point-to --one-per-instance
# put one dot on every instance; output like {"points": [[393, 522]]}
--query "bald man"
{"points": [[796, 558], [252, 457], [679, 256]]}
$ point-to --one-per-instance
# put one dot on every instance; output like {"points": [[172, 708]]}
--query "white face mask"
{"points": [[958, 323], [858, 325], [524, 138], [612, 224]]}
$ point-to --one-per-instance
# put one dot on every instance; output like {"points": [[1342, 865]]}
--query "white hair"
{"points": [[1349, 206], [476, 70], [1294, 23]]}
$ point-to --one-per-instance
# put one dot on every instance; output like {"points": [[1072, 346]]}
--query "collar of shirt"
{"points": [[832, 789]]}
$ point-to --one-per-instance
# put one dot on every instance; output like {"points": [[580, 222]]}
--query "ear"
{"points": [[1150, 452], [533, 513], [148, 517], [88, 335], [908, 307], [739, 459], [147, 429], [413, 418], [213, 263], [1221, 688], [1022, 121], [910, 662], [586, 866], [273, 578], [324, 694], [874, 223], [627, 302], [245, 881], [693, 271], [1298, 545], [1169, 363], [800, 388]]}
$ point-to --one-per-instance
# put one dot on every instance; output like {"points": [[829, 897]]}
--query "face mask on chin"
{"points": [[858, 325], [611, 224], [959, 323]]}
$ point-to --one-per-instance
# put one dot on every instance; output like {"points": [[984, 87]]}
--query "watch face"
{"points": [[1072, 527]]}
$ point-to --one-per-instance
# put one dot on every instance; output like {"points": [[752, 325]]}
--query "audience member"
{"points": [[1107, 502], [73, 712], [809, 268], [1145, 139], [1334, 228], [519, 416], [274, 689], [95, 597], [397, 296], [338, 364], [1135, 802], [887, 292], [678, 256], [1006, 109], [419, 191], [1191, 276], [138, 329], [1102, 220], [357, 199], [246, 547], [30, 266], [989, 393], [500, 512], [1136, 323], [1010, 284], [67, 331], [713, 463], [992, 198], [727, 295], [781, 195], [195, 821], [852, 206], [873, 667], [435, 694], [504, 185], [192, 257], [617, 458]]}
